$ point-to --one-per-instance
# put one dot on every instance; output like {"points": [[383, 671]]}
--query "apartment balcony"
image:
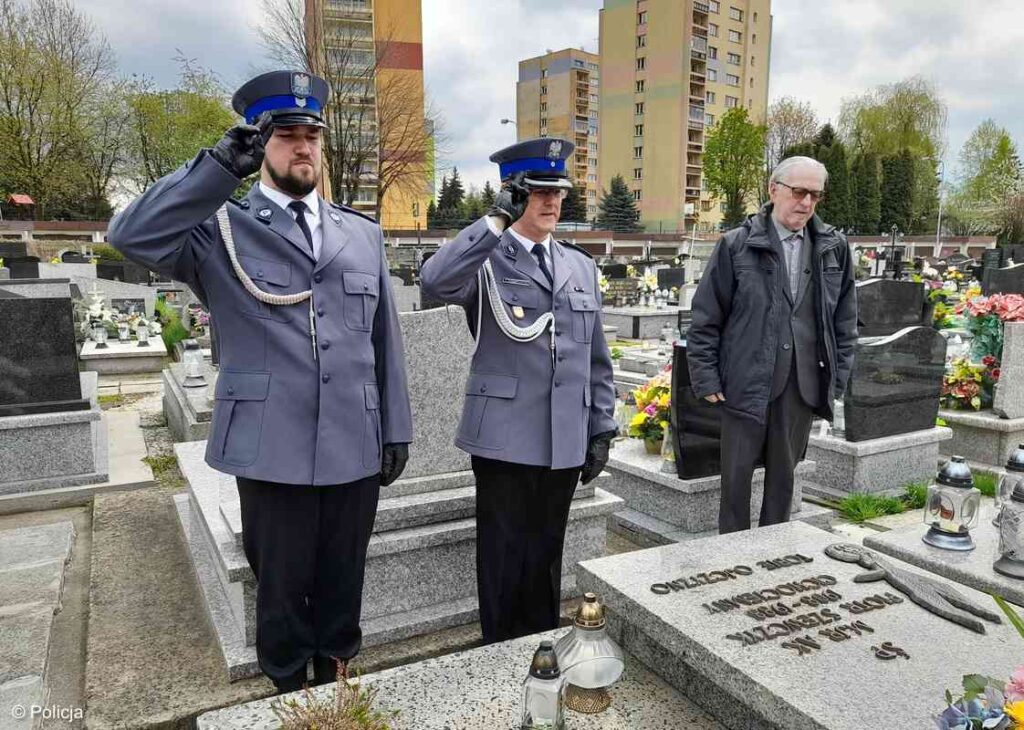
{"points": [[699, 7], [699, 44], [692, 146], [349, 9], [692, 193], [694, 124], [697, 112]]}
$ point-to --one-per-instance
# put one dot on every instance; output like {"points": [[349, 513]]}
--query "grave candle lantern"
{"points": [[1011, 529], [99, 335], [542, 692], [192, 359], [142, 332], [1014, 475], [591, 661], [952, 507]]}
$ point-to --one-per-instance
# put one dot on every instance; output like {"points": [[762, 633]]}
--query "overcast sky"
{"points": [[822, 51]]}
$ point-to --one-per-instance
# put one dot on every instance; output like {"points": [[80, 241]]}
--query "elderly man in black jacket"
{"points": [[774, 327]]}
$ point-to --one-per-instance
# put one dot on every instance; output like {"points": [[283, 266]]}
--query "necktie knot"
{"points": [[297, 207]]}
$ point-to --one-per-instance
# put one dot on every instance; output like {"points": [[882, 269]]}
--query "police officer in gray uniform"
{"points": [[312, 411], [539, 397]]}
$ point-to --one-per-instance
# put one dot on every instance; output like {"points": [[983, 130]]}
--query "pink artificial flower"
{"points": [[1015, 687], [651, 409]]}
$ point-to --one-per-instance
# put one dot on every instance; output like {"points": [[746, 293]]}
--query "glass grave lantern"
{"points": [[590, 660], [142, 332], [1011, 529], [123, 332], [99, 335], [952, 507], [543, 705], [192, 359], [1008, 482]]}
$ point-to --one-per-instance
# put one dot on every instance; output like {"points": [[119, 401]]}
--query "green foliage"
{"points": [[574, 208], [1011, 614], [168, 127], [488, 194], [861, 506], [835, 207], [617, 211], [172, 330], [986, 483], [986, 198], [733, 162], [905, 116], [897, 192], [916, 495], [924, 203], [106, 252], [431, 215], [866, 194], [161, 464], [351, 708], [616, 353]]}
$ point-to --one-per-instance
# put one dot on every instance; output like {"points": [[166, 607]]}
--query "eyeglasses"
{"points": [[559, 193], [801, 193]]}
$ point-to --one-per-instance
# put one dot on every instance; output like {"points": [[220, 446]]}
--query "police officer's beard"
{"points": [[292, 184]]}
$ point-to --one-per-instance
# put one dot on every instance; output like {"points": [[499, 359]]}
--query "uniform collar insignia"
{"points": [[264, 212], [334, 217], [510, 250]]}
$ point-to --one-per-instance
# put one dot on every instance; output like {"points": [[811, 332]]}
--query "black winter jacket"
{"points": [[732, 342]]}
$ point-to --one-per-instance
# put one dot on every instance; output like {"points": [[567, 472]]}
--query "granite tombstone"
{"points": [[895, 384], [23, 267], [1008, 280], [614, 271], [671, 278], [885, 306], [13, 249]]}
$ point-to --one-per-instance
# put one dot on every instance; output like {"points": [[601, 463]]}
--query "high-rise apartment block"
{"points": [[557, 96], [670, 69], [386, 37]]}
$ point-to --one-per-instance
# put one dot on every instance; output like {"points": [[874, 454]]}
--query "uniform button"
{"points": [[472, 238], [515, 297], [483, 388], [318, 278], [555, 307], [561, 357], [259, 273], [558, 383], [320, 311], [366, 287], [231, 391], [326, 345], [558, 333], [786, 346], [326, 377]]}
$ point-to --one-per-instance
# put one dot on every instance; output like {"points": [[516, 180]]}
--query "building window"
{"points": [[641, 18], [709, 97], [712, 30], [751, 82], [591, 193], [714, 6], [750, 103], [638, 173], [704, 184], [755, 17], [592, 161], [592, 178], [752, 61], [641, 41], [640, 86], [592, 66], [705, 205], [712, 52], [592, 147], [709, 120], [641, 63], [732, 80], [712, 74], [543, 121], [543, 90], [594, 99], [735, 36], [753, 39], [735, 13], [637, 195], [734, 59], [543, 131], [639, 107], [543, 73], [731, 102], [638, 130], [543, 106], [638, 153], [721, 207], [593, 114]]}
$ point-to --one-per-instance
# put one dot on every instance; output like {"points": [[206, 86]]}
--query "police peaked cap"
{"points": [[291, 97], [542, 160]]}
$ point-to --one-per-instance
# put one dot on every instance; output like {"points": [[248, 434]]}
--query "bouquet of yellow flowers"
{"points": [[653, 401]]}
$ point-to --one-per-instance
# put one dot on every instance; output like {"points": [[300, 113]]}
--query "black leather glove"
{"points": [[392, 462], [240, 150], [597, 456], [511, 200]]}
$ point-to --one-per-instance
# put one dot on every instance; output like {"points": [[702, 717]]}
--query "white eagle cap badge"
{"points": [[302, 85], [555, 149]]}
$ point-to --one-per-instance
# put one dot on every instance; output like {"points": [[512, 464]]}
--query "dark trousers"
{"points": [[521, 514], [782, 440], [307, 547]]}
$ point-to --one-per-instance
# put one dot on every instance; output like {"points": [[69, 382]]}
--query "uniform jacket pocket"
{"points": [[584, 310], [238, 416], [360, 299], [487, 410], [371, 426]]}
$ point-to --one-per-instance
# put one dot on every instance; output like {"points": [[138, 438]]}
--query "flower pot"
{"points": [[653, 446]]}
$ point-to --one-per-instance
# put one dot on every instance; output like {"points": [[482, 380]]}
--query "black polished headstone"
{"points": [[672, 278], [38, 360], [13, 250], [696, 423], [885, 306], [73, 257], [1009, 280], [614, 271], [125, 271], [991, 258], [25, 267], [957, 259], [895, 384]]}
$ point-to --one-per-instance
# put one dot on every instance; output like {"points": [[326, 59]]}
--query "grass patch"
{"points": [[916, 495], [161, 465], [861, 507], [986, 482], [110, 401]]}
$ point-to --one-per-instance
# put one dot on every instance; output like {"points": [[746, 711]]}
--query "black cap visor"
{"points": [[548, 182], [296, 117]]}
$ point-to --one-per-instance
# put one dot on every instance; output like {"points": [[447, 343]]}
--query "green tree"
{"points": [[829, 151], [168, 127], [488, 194], [574, 210], [431, 215], [733, 160], [924, 203], [617, 211], [866, 194], [897, 192], [908, 115]]}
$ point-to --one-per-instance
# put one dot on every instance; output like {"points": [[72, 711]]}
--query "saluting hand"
{"points": [[241, 148], [511, 200]]}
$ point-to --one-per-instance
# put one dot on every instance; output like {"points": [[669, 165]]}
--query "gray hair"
{"points": [[790, 162]]}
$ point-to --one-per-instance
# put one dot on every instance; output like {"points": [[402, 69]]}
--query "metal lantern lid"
{"points": [[955, 473], [590, 614], [545, 663], [1016, 460]]}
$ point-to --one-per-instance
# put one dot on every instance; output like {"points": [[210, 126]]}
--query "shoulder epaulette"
{"points": [[243, 203], [582, 250], [353, 211]]}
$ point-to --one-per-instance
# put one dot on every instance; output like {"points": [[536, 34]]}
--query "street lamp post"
{"points": [[937, 251], [514, 125]]}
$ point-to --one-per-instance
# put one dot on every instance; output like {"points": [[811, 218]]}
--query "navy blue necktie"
{"points": [[538, 251], [299, 208]]}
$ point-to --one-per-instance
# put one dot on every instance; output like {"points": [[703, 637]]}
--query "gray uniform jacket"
{"points": [[519, 407], [281, 415]]}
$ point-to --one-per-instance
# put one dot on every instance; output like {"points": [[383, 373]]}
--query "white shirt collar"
{"points": [[784, 232], [528, 244], [312, 200]]}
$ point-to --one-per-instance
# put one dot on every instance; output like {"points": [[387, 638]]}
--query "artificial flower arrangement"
{"points": [[653, 402], [648, 283], [630, 271], [602, 284], [967, 385], [984, 318]]}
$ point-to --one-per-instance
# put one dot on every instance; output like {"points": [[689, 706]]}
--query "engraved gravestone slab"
{"points": [[765, 630], [885, 306], [1008, 280]]}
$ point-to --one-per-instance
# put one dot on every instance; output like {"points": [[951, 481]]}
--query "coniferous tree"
{"points": [[574, 210], [618, 211], [431, 215], [866, 194], [897, 192], [835, 207], [488, 194]]}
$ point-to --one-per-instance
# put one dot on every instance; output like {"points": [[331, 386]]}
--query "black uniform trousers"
{"points": [[307, 548], [521, 514], [782, 440]]}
